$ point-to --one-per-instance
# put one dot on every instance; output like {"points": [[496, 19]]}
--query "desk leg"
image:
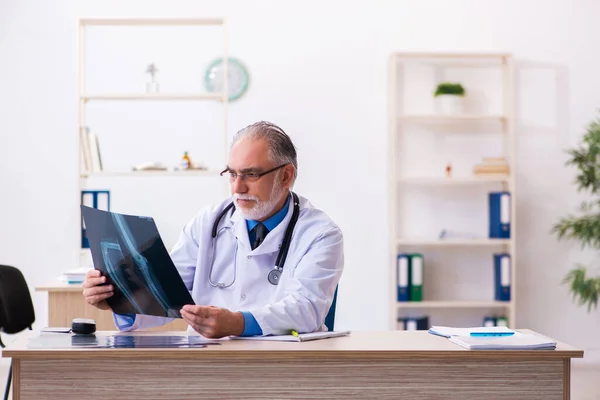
{"points": [[567, 379], [16, 379]]}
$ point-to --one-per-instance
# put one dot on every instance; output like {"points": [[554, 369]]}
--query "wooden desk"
{"points": [[66, 302], [364, 365]]}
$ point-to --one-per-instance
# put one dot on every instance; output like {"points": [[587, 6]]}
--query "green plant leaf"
{"points": [[449, 88], [585, 225], [584, 290]]}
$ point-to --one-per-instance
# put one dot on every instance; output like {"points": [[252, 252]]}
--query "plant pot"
{"points": [[450, 104]]}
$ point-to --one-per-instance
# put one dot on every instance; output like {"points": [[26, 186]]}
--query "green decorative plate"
{"points": [[237, 73]]}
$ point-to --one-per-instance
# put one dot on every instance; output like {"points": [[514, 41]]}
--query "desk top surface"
{"points": [[59, 286], [377, 344]]}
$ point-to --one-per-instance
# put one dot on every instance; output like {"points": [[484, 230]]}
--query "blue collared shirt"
{"points": [[251, 327]]}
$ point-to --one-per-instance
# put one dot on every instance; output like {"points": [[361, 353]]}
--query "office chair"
{"points": [[330, 318], [16, 307]]}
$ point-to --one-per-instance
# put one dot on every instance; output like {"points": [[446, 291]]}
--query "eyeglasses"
{"points": [[250, 176]]}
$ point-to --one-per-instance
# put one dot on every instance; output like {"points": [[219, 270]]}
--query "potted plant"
{"points": [[450, 96], [584, 227]]}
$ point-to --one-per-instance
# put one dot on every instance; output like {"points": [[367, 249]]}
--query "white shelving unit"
{"points": [[498, 122], [85, 98]]}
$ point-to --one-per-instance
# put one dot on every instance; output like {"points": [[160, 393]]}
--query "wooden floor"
{"points": [[585, 380]]}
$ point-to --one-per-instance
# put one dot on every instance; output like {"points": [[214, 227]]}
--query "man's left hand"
{"points": [[213, 322]]}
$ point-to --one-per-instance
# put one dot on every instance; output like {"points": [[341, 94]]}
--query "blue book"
{"points": [[502, 276], [499, 208]]}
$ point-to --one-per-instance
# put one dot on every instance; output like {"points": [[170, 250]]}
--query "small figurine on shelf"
{"points": [[449, 170], [152, 86], [186, 162]]}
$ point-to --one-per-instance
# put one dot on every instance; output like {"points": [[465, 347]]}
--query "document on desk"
{"points": [[301, 337], [518, 341], [448, 332], [130, 253]]}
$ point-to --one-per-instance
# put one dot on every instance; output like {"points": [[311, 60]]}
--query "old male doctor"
{"points": [[238, 291]]}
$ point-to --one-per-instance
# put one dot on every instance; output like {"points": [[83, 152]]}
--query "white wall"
{"points": [[319, 69]]}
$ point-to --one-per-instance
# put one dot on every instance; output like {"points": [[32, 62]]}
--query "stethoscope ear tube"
{"points": [[285, 245], [216, 224]]}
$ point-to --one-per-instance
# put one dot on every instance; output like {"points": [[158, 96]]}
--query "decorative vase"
{"points": [[450, 104], [152, 87]]}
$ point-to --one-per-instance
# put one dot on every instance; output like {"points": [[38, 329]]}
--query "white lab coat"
{"points": [[305, 291]]}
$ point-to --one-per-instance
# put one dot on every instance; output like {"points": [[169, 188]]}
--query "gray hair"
{"points": [[281, 148]]}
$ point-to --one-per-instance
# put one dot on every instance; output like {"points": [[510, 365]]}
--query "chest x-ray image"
{"points": [[129, 251]]}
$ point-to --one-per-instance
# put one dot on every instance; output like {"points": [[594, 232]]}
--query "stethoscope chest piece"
{"points": [[274, 276]]}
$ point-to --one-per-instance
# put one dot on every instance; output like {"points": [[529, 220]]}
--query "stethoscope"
{"points": [[275, 274]]}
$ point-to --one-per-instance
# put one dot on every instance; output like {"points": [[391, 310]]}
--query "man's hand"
{"points": [[94, 290], [213, 322]]}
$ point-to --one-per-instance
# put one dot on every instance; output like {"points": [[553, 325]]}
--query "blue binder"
{"points": [[403, 276], [502, 276], [499, 208], [99, 199]]}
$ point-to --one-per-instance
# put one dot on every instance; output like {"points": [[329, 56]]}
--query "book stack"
{"points": [[493, 338], [90, 150], [491, 166]]}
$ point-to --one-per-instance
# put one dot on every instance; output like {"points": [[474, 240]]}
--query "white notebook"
{"points": [[302, 337], [518, 341]]}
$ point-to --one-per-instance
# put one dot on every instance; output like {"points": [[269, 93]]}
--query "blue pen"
{"points": [[492, 333]]}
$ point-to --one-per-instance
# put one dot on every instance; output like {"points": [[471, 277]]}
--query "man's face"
{"points": [[255, 199]]}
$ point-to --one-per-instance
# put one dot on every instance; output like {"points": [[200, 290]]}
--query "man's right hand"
{"points": [[94, 290]]}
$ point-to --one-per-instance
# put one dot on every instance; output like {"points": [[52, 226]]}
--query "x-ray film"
{"points": [[129, 251]]}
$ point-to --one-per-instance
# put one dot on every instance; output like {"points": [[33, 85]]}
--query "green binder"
{"points": [[416, 277]]}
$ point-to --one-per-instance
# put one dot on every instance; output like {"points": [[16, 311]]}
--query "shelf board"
{"points": [[149, 173], [453, 304], [450, 118], [150, 21], [467, 180], [153, 96], [452, 55], [453, 242]]}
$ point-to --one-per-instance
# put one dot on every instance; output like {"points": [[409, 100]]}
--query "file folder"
{"points": [[99, 199], [416, 277], [502, 276], [501, 321], [403, 276], [500, 218]]}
